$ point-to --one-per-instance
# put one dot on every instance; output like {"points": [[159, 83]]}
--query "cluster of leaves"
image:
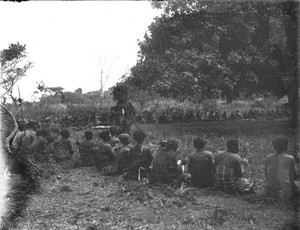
{"points": [[13, 67], [198, 50]]}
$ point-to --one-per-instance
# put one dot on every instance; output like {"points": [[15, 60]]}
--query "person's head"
{"points": [[199, 143], [139, 136], [47, 120], [172, 144], [124, 138], [120, 92], [38, 126], [233, 146], [113, 130], [65, 133], [22, 124], [280, 144], [38, 133], [104, 135], [163, 143], [88, 134], [43, 132], [31, 124]]}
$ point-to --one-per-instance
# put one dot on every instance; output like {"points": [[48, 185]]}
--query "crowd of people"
{"points": [[179, 115], [89, 118], [119, 154]]}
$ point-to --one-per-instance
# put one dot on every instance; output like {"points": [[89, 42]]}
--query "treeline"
{"points": [[209, 49]]}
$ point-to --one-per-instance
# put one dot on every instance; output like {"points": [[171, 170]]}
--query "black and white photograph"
{"points": [[175, 114]]}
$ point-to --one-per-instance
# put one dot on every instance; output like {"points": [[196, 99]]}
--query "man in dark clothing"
{"points": [[122, 114], [201, 165], [86, 150], [165, 168]]}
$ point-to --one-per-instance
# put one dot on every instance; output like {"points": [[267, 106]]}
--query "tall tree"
{"points": [[201, 49], [14, 66], [104, 74], [290, 56]]}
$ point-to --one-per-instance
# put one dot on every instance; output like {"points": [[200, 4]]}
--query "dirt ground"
{"points": [[85, 199]]}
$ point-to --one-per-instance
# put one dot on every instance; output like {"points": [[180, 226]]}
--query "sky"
{"points": [[67, 41]]}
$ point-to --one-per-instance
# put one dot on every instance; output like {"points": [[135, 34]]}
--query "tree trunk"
{"points": [[293, 97], [290, 58]]}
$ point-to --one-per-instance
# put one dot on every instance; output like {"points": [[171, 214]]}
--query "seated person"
{"points": [[63, 150], [162, 145], [122, 155], [17, 140], [114, 141], [229, 170], [140, 157], [280, 170], [25, 136], [165, 168], [86, 150], [224, 115], [104, 155], [39, 146], [200, 165]]}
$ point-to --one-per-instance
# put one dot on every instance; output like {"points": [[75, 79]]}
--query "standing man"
{"points": [[122, 114]]}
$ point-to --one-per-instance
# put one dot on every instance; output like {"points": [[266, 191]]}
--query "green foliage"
{"points": [[13, 67], [14, 52], [209, 105], [201, 50]]}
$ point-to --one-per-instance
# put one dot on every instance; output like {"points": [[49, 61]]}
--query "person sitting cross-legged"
{"points": [[104, 155], [200, 165], [280, 171], [86, 150], [281, 174], [165, 168], [122, 155], [114, 141], [140, 158], [39, 146], [63, 151], [229, 171]]}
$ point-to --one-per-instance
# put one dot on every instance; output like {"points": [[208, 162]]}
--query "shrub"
{"points": [[209, 105], [258, 104]]}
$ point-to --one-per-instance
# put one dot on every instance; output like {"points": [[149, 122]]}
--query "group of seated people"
{"points": [[116, 155], [133, 160], [180, 115], [246, 115]]}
